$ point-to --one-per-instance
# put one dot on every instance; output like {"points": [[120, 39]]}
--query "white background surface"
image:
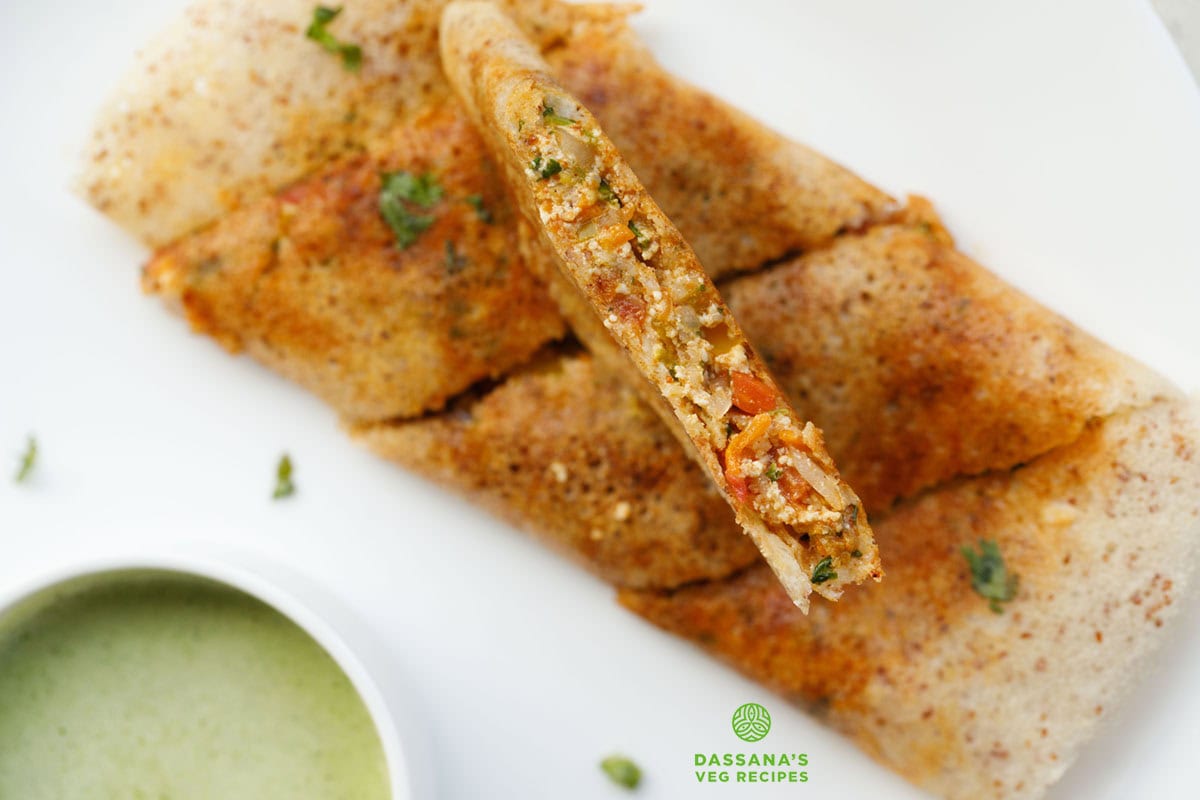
{"points": [[1061, 141]]}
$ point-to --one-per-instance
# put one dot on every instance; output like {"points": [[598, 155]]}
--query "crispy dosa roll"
{"points": [[629, 283]]}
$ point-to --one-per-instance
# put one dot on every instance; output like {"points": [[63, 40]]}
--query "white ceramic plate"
{"points": [[1059, 139]]}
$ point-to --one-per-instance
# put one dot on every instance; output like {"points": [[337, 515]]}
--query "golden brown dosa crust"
{"points": [[572, 454], [920, 365], [957, 358], [747, 195], [965, 702], [311, 281]]}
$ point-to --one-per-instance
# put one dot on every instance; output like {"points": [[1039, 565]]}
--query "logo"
{"points": [[751, 722]]}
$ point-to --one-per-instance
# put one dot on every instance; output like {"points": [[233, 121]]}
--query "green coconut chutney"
{"points": [[161, 686]]}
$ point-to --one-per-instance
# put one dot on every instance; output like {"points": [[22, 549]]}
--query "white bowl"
{"points": [[340, 633]]}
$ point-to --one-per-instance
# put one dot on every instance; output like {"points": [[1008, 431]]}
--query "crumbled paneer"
{"points": [[712, 316], [770, 502], [732, 360], [681, 285]]}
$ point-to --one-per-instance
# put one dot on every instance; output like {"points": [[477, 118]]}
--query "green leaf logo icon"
{"points": [[751, 722]]}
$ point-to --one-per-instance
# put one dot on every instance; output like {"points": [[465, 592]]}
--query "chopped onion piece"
{"points": [[609, 218], [579, 152], [688, 318], [823, 484], [720, 403]]}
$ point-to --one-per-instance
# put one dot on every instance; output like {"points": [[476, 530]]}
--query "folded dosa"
{"points": [[964, 702], [641, 290], [1089, 487], [920, 365], [1026, 379], [276, 279]]}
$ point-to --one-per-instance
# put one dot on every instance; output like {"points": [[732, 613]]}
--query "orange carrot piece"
{"points": [[753, 395], [736, 451]]}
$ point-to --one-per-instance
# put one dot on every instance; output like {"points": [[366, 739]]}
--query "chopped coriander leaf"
{"points": [[406, 225], [622, 771], [351, 57], [455, 263], [481, 211], [856, 553], [283, 478], [318, 31], [28, 461], [554, 118], [424, 190], [824, 571], [606, 193], [323, 15], [551, 168], [773, 472], [989, 576], [643, 239], [399, 191]]}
